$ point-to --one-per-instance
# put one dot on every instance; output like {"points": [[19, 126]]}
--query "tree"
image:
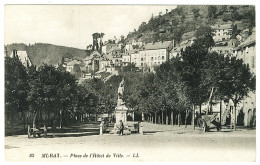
{"points": [[177, 33], [129, 68], [237, 82], [35, 97], [133, 89], [235, 31], [66, 92], [77, 71], [212, 11], [196, 12], [16, 88], [204, 36]]}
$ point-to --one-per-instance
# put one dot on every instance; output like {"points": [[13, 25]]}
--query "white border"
{"points": [[166, 2]]}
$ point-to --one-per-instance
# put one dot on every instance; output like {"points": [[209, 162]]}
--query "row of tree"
{"points": [[44, 95], [187, 81]]}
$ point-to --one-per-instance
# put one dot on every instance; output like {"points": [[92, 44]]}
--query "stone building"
{"points": [[153, 54], [222, 32], [247, 51]]}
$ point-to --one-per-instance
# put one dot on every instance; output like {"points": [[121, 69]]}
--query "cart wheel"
{"points": [[199, 123]]}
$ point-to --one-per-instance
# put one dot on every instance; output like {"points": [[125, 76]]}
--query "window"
{"points": [[162, 57], [151, 58], [142, 59]]}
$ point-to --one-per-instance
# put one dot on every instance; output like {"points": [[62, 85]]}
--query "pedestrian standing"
{"points": [[121, 128]]}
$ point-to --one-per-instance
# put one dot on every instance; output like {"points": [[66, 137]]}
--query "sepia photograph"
{"points": [[129, 82]]}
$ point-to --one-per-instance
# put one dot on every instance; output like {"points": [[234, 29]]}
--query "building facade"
{"points": [[154, 54], [126, 59], [247, 51], [222, 32], [135, 59]]}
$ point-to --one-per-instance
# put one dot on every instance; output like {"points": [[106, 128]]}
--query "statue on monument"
{"points": [[120, 94], [121, 109]]}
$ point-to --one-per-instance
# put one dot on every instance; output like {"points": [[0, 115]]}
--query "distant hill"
{"points": [[185, 19], [41, 53]]}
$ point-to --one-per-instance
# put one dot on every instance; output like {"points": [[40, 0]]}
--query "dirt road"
{"points": [[159, 143]]}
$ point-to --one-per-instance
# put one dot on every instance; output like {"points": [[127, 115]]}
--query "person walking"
{"points": [[121, 128]]}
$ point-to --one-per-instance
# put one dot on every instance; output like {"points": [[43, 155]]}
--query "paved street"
{"points": [[159, 142]]}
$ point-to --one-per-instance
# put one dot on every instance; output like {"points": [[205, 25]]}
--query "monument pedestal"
{"points": [[120, 114]]}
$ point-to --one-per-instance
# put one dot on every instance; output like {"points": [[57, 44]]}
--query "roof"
{"points": [[95, 54], [157, 45], [119, 55], [109, 56], [250, 40], [221, 48], [220, 27], [188, 35], [185, 42], [113, 49], [132, 51], [72, 63], [87, 58], [147, 40], [176, 49], [92, 55]]}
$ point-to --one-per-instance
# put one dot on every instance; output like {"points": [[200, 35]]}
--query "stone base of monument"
{"points": [[116, 129]]}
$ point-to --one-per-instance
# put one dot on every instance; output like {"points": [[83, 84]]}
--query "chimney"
{"points": [[173, 44]]}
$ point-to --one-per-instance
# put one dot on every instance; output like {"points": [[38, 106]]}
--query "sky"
{"points": [[73, 25]]}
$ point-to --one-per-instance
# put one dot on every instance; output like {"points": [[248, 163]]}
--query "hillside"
{"points": [[41, 53], [185, 19]]}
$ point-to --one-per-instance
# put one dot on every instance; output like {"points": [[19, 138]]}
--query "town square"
{"points": [[130, 83]]}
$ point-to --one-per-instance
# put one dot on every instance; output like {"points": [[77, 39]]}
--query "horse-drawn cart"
{"points": [[207, 122]]}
